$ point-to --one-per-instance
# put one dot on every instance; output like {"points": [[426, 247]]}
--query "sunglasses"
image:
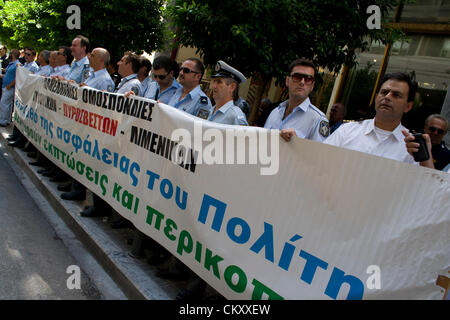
{"points": [[162, 76], [60, 54], [433, 129], [298, 77], [187, 70], [28, 54]]}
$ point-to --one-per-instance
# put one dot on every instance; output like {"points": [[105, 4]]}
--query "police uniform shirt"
{"points": [[307, 121], [154, 91], [44, 71], [80, 70], [229, 114], [32, 66], [101, 80], [130, 83], [195, 102], [62, 71], [146, 82], [10, 73], [365, 137]]}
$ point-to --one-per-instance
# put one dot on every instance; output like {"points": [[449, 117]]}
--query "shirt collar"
{"points": [[223, 109], [99, 72], [397, 133], [83, 60], [302, 106]]}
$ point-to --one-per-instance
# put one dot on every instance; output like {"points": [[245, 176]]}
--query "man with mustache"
{"points": [[384, 135], [190, 98]]}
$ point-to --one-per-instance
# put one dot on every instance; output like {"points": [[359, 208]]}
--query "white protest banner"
{"points": [[307, 221]]}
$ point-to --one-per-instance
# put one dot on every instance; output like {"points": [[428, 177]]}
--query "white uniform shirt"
{"points": [[365, 137]]}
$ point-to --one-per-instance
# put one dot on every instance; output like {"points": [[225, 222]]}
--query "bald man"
{"points": [[100, 78]]}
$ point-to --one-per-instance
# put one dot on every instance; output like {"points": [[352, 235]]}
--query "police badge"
{"points": [[203, 114], [324, 128]]}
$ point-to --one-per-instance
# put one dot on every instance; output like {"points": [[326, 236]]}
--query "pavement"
{"points": [[102, 252]]}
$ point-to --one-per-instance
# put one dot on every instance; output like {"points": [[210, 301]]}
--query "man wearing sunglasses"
{"points": [[30, 56], [436, 127], [63, 58], [297, 116], [190, 98], [165, 85], [225, 85]]}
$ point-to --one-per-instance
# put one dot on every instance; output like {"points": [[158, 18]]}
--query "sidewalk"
{"points": [[108, 246]]}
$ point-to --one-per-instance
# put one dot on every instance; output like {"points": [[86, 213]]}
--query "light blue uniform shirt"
{"points": [[32, 66], [10, 73], [44, 71], [195, 102], [164, 96], [229, 114], [101, 80], [130, 83], [62, 71], [80, 70], [147, 81], [307, 121]]}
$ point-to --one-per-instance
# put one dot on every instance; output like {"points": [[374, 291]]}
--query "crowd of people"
{"points": [[179, 87]]}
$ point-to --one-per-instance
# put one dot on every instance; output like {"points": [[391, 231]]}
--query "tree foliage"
{"points": [[261, 36], [117, 25]]}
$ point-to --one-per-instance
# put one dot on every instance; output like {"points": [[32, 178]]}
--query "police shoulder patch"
{"points": [[203, 100], [203, 114], [135, 90], [324, 128]]}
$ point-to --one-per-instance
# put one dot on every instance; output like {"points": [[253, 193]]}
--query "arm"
{"points": [[12, 84]]}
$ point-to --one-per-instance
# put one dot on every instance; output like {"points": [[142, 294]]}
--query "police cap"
{"points": [[223, 70]]}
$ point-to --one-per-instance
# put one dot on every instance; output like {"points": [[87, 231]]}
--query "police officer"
{"points": [[128, 67], [224, 85], [99, 78], [80, 69], [44, 67], [62, 60], [30, 56], [190, 98], [165, 85], [297, 116]]}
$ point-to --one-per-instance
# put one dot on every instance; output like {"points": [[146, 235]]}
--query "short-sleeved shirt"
{"points": [[365, 137], [154, 91], [101, 80], [10, 73], [62, 71], [80, 70], [130, 83], [32, 66], [44, 71], [145, 83], [195, 102], [307, 121], [229, 114]]}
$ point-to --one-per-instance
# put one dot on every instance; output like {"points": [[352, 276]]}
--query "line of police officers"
{"points": [[293, 117]]}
